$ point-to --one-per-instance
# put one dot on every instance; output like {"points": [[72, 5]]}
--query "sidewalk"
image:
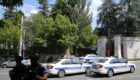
{"points": [[135, 61]]}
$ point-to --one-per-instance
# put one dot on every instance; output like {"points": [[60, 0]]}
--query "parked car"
{"points": [[90, 58], [1, 63], [111, 65], [12, 63], [66, 66]]}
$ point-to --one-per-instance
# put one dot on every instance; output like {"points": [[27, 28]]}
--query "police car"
{"points": [[66, 66], [90, 58], [112, 65]]}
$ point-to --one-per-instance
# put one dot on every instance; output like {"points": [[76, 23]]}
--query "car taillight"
{"points": [[49, 67], [100, 66]]}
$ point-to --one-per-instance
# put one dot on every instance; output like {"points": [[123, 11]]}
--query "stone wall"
{"points": [[131, 47], [101, 46], [126, 47]]}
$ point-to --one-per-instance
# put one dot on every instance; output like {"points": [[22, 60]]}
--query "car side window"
{"points": [[76, 62], [12, 60], [92, 56], [114, 61], [66, 62], [122, 60]]}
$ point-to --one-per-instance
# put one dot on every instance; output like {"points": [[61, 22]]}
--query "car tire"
{"points": [[132, 69], [61, 73], [4, 66], [88, 71], [110, 73]]}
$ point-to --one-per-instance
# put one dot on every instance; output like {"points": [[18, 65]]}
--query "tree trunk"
{"points": [[67, 53]]}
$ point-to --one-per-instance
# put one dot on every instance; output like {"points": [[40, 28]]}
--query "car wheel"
{"points": [[61, 73], [88, 71], [4, 66], [132, 69], [110, 73]]}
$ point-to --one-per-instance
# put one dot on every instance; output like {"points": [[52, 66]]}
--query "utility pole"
{"points": [[21, 40]]}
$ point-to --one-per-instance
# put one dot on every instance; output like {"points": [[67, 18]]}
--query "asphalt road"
{"points": [[123, 76]]}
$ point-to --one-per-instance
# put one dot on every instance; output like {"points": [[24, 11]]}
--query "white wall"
{"points": [[131, 47], [117, 46], [101, 46]]}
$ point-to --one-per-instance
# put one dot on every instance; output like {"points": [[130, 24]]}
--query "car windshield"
{"points": [[102, 60]]}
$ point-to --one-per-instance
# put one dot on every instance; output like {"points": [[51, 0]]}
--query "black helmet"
{"points": [[34, 57], [18, 58]]}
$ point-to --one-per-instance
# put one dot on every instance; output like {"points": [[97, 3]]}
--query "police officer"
{"points": [[36, 71], [18, 72]]}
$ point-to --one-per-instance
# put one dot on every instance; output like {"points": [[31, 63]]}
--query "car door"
{"points": [[67, 66], [77, 66], [11, 63], [115, 65], [124, 65]]}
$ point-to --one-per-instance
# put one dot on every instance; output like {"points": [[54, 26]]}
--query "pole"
{"points": [[21, 28]]}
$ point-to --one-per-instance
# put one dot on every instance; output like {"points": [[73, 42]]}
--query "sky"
{"points": [[31, 7]]}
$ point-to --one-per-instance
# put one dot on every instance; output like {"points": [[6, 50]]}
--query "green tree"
{"points": [[9, 37], [44, 7], [67, 31], [11, 3], [55, 32], [107, 17], [43, 27], [10, 6], [59, 8], [130, 17], [78, 13], [13, 16], [119, 18]]}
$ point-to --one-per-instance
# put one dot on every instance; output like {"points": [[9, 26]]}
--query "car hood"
{"points": [[97, 63], [51, 64]]}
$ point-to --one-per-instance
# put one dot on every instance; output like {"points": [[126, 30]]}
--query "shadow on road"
{"points": [[68, 75], [104, 76]]}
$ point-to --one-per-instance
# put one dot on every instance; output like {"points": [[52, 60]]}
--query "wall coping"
{"points": [[130, 38]]}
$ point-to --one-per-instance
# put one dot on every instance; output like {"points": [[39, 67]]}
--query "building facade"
{"points": [[126, 47]]}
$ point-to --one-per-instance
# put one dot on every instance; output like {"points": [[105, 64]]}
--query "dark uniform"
{"points": [[35, 69], [18, 72]]}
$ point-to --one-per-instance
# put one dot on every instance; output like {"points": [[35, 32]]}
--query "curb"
{"points": [[134, 61]]}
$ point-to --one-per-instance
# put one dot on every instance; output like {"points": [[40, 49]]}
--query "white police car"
{"points": [[66, 66], [90, 58], [112, 65]]}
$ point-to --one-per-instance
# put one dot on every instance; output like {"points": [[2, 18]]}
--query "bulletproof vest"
{"points": [[35, 70], [18, 72]]}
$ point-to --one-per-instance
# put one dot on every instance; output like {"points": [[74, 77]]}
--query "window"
{"points": [[102, 60], [76, 61], [66, 62], [114, 61], [122, 60], [92, 56], [12, 60]]}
